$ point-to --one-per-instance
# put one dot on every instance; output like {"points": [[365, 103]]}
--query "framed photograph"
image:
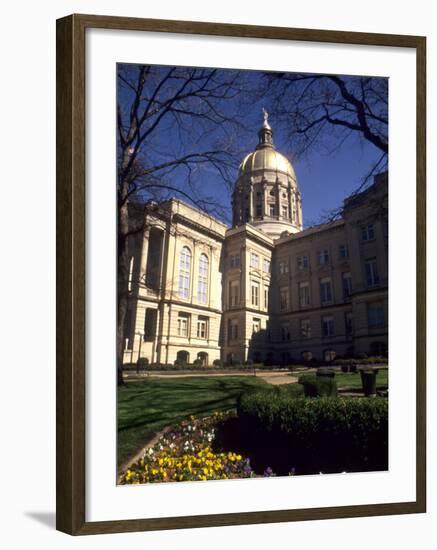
{"points": [[240, 274]]}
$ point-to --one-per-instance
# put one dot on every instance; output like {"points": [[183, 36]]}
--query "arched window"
{"points": [[202, 288], [184, 272]]}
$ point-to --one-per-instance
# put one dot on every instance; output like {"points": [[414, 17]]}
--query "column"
{"points": [[265, 199], [144, 252], [278, 200], [162, 258], [251, 207]]}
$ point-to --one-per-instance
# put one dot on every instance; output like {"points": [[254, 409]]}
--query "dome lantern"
{"points": [[265, 134]]}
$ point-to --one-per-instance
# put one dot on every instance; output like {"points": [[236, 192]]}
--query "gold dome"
{"points": [[266, 158]]}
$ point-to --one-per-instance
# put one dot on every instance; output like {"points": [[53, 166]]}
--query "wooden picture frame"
{"points": [[71, 284]]}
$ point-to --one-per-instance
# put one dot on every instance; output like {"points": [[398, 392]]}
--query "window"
{"points": [[234, 287], [272, 210], [372, 277], [259, 210], [266, 265], [202, 289], [343, 251], [285, 332], [202, 357], [375, 315], [346, 281], [283, 299], [246, 214], [284, 212], [202, 327], [234, 260], [305, 328], [266, 298], [254, 260], [283, 267], [327, 326], [184, 272], [303, 263], [304, 294], [150, 324], [325, 291], [348, 322], [324, 257], [233, 329], [255, 294], [329, 355], [131, 270], [154, 256], [367, 232], [183, 324], [258, 193], [256, 325]]}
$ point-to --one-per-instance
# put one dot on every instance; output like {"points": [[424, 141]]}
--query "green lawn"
{"points": [[148, 406], [352, 381]]}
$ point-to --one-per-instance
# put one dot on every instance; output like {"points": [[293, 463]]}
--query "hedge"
{"points": [[196, 366], [317, 386], [327, 434], [364, 361]]}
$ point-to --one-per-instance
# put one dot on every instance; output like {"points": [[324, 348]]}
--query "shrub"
{"points": [[291, 390], [156, 366], [328, 434], [180, 363], [259, 366], [197, 363], [234, 363], [142, 363], [217, 363], [317, 386], [353, 361]]}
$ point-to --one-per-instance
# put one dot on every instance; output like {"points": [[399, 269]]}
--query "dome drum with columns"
{"points": [[266, 193]]}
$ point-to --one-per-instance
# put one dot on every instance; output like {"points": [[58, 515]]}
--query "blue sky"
{"points": [[325, 178]]}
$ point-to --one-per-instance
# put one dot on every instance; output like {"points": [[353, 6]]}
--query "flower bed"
{"points": [[186, 454]]}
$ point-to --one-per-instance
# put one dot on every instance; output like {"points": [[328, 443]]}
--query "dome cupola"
{"points": [[266, 193]]}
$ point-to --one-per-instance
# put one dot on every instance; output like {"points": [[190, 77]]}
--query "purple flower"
{"points": [[268, 472]]}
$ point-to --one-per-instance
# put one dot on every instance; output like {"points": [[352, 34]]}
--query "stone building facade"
{"points": [[264, 290]]}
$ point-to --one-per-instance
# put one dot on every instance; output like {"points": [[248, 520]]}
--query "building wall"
{"points": [[180, 227], [254, 282], [252, 275]]}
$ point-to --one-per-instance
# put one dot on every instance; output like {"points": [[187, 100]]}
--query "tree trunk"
{"points": [[122, 284]]}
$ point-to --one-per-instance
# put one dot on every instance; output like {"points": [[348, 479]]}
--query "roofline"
{"points": [[309, 231], [196, 209]]}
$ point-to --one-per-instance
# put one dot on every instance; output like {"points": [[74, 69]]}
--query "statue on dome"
{"points": [[266, 119]]}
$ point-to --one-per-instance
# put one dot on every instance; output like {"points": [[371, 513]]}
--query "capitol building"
{"points": [[264, 290]]}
